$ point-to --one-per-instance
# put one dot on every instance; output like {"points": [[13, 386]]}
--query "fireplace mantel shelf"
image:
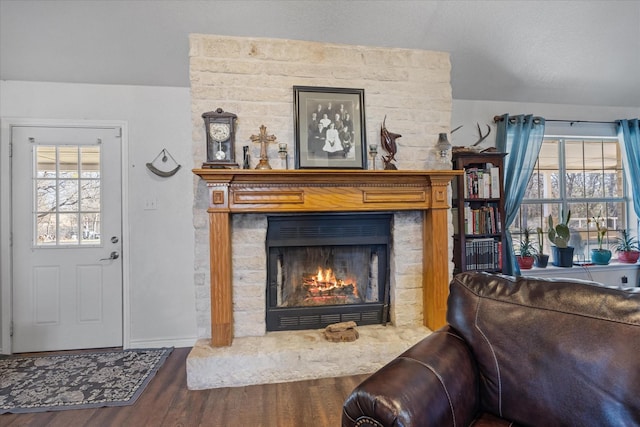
{"points": [[320, 174], [310, 190]]}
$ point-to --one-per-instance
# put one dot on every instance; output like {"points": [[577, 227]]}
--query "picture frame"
{"points": [[329, 128]]}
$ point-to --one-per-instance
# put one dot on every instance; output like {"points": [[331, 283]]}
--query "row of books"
{"points": [[483, 254], [481, 220], [482, 183]]}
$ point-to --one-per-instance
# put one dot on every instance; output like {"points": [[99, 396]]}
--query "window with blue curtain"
{"points": [[579, 168]]}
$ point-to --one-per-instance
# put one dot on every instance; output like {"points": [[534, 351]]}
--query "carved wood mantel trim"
{"points": [[254, 191]]}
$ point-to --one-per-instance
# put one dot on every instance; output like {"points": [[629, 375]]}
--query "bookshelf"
{"points": [[478, 211]]}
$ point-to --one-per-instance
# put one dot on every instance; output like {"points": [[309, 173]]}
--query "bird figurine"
{"points": [[388, 142]]}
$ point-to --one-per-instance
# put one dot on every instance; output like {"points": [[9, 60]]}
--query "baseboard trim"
{"points": [[165, 342]]}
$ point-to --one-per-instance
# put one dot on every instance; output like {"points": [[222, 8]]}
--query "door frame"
{"points": [[6, 285]]}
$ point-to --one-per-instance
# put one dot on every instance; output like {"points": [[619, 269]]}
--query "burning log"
{"points": [[313, 291], [325, 284], [323, 300]]}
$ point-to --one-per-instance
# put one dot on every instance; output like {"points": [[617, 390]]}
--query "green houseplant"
{"points": [[627, 247], [600, 256], [526, 251], [559, 235], [542, 259]]}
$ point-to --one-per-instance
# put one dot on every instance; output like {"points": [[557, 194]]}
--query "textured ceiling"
{"points": [[562, 52]]}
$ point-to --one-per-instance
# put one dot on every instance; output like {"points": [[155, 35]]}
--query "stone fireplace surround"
{"points": [[415, 196], [253, 77]]}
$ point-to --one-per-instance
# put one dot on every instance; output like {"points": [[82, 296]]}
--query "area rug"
{"points": [[76, 381]]}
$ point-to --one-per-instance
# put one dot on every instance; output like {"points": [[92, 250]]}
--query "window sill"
{"points": [[613, 274]]}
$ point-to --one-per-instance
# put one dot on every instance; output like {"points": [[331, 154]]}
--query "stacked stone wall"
{"points": [[254, 78]]}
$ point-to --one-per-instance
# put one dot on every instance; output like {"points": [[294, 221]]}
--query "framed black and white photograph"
{"points": [[329, 128]]}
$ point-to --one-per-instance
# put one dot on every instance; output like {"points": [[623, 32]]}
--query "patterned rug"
{"points": [[76, 381]]}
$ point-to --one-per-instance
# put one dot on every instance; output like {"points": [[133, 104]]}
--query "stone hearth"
{"points": [[296, 355]]}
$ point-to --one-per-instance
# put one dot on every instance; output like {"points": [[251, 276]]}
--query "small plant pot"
{"points": [[525, 262], [542, 260], [563, 257], [600, 256], [628, 257]]}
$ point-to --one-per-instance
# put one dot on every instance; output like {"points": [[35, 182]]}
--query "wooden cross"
{"points": [[263, 139]]}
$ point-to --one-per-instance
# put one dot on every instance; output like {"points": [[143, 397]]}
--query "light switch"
{"points": [[150, 204]]}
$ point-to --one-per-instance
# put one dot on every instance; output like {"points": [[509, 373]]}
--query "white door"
{"points": [[66, 235]]}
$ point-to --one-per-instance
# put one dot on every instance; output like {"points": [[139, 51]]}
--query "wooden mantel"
{"points": [[243, 191]]}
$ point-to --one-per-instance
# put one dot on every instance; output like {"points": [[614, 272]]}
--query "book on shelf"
{"points": [[483, 219], [482, 183], [494, 174], [483, 254]]}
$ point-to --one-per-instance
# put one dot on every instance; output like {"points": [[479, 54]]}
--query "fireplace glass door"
{"points": [[325, 269]]}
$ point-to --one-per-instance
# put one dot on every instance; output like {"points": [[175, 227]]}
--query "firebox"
{"points": [[324, 269]]}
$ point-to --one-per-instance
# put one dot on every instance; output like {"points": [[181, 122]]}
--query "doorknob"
{"points": [[113, 255]]}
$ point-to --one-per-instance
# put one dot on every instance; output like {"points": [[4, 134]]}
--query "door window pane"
{"points": [[90, 190], [68, 162], [47, 230], [46, 195], [90, 157], [90, 228], [46, 160], [68, 229], [67, 195]]}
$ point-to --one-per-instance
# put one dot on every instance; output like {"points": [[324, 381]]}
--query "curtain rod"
{"points": [[497, 119], [582, 121]]}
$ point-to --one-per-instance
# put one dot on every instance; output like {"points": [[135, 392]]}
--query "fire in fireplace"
{"points": [[324, 288], [325, 269]]}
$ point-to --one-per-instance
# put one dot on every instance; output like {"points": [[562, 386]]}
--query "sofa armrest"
{"points": [[434, 383]]}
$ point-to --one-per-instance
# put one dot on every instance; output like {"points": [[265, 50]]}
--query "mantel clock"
{"points": [[220, 127]]}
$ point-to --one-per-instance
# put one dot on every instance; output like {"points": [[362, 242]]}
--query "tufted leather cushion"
{"points": [[551, 352]]}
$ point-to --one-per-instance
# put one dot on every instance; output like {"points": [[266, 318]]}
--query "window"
{"points": [[67, 196], [584, 175]]}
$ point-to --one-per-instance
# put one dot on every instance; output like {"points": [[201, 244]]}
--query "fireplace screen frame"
{"points": [[334, 229]]}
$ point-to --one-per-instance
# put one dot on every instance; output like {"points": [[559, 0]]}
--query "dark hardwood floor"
{"points": [[167, 402]]}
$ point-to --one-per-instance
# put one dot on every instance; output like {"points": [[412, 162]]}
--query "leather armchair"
{"points": [[516, 351]]}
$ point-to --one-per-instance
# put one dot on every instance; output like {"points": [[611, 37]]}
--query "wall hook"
{"points": [[164, 155]]}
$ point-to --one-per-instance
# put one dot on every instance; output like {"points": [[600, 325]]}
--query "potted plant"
{"points": [[526, 251], [559, 236], [600, 256], [627, 247], [542, 259]]}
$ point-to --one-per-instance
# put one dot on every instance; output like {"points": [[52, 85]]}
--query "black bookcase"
{"points": [[478, 212]]}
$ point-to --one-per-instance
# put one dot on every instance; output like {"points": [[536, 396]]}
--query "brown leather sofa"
{"points": [[516, 351]]}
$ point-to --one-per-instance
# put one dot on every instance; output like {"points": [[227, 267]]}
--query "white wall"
{"points": [[162, 301], [161, 258]]}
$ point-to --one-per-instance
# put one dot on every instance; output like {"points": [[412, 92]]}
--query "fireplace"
{"points": [[239, 191], [324, 269]]}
